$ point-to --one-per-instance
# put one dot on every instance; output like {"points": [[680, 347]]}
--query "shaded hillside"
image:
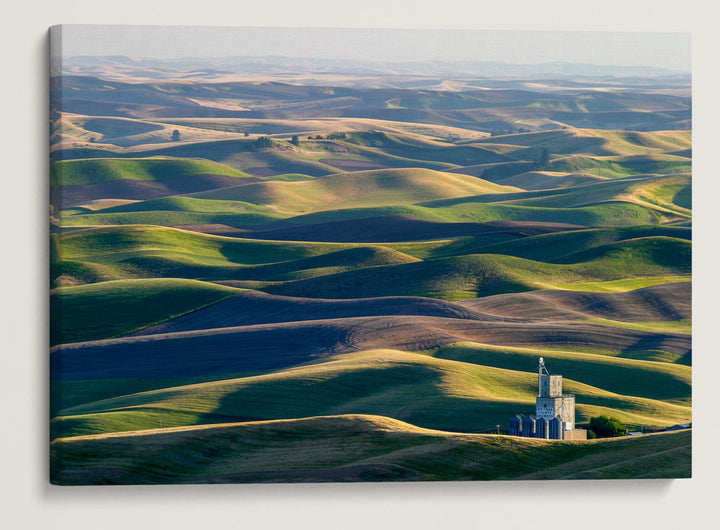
{"points": [[465, 388], [660, 303], [260, 308], [667, 302], [382, 449], [108, 309], [483, 275], [357, 189], [273, 346], [74, 182], [399, 228]]}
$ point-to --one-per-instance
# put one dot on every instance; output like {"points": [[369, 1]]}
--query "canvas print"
{"points": [[333, 255]]}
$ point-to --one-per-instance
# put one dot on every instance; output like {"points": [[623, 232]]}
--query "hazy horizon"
{"points": [[671, 51]]}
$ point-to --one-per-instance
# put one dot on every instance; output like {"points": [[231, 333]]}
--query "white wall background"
{"points": [[26, 498]]}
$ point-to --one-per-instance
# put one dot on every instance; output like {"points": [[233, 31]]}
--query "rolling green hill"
{"points": [[114, 244], [413, 148], [170, 218], [627, 376], [357, 189], [623, 166], [542, 180], [383, 269], [596, 142], [97, 254], [354, 448], [608, 214], [481, 275], [613, 203], [648, 190], [187, 204], [552, 247], [108, 309], [636, 142], [98, 170], [457, 396], [673, 193]]}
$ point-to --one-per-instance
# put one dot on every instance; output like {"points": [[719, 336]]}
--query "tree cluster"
{"points": [[374, 138], [606, 427], [543, 162], [262, 143]]}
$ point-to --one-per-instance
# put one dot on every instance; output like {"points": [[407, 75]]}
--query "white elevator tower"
{"points": [[551, 402]]}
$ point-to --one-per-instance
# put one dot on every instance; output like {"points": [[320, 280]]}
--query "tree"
{"points": [[295, 140], [607, 427], [544, 161], [175, 135], [262, 143]]}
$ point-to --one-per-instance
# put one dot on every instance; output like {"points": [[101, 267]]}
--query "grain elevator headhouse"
{"points": [[554, 411], [550, 401]]}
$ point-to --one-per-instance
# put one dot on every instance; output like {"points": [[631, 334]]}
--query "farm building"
{"points": [[554, 412]]}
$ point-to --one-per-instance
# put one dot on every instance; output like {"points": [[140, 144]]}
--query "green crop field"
{"points": [[127, 305], [492, 274], [380, 187], [353, 448], [76, 172], [456, 393], [352, 279]]}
